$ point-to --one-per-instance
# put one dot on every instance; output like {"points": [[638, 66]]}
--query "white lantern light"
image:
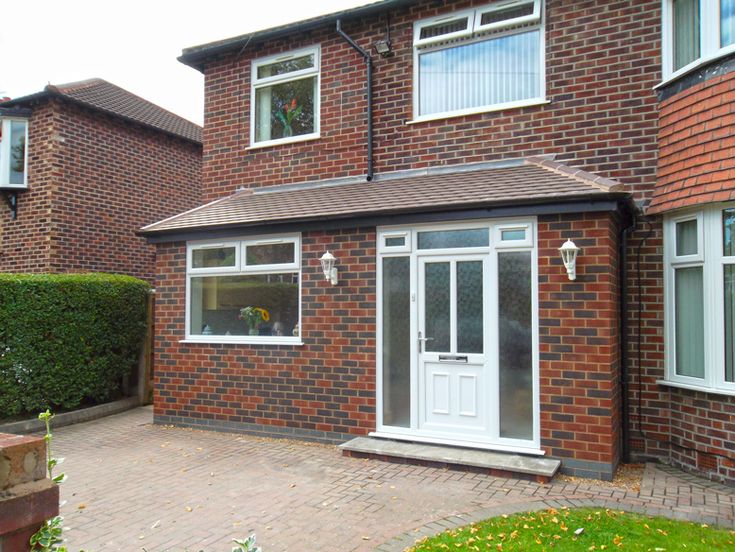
{"points": [[569, 252], [330, 271]]}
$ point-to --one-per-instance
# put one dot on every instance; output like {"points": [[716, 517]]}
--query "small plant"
{"points": [[246, 545], [49, 537], [290, 112]]}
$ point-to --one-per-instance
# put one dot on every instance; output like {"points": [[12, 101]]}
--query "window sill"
{"points": [[693, 66], [477, 110], [217, 340], [700, 388], [283, 141]]}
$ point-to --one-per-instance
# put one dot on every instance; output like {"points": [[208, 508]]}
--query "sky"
{"points": [[133, 44]]}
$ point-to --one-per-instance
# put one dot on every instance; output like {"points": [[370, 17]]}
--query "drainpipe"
{"points": [[369, 64], [624, 406]]}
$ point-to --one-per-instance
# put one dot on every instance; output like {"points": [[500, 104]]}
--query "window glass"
{"points": [[469, 307], [686, 238], [212, 257], [397, 241], [396, 341], [504, 14], [686, 27], [17, 169], [286, 66], [441, 239], [217, 304], [272, 253], [728, 232], [494, 71], [513, 235], [727, 22], [443, 28], [729, 278], [515, 343], [285, 109], [437, 318], [689, 321]]}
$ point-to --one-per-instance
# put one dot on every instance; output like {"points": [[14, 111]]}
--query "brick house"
{"points": [[100, 162], [443, 175]]}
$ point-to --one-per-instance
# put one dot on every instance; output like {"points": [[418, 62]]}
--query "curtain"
{"points": [[689, 321], [685, 32]]}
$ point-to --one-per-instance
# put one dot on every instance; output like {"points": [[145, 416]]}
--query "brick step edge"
{"points": [[74, 417], [495, 472]]}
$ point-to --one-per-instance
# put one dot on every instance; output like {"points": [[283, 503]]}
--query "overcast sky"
{"points": [[133, 44]]}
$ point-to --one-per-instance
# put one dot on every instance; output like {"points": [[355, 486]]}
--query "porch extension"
{"points": [[498, 464]]}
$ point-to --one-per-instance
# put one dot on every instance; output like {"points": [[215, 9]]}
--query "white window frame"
{"points": [[241, 269], [413, 432], [475, 32], [256, 83], [710, 257], [6, 122], [709, 39]]}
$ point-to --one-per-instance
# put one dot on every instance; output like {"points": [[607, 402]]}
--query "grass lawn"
{"points": [[583, 529]]}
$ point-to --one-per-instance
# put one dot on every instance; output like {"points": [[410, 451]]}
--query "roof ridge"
{"points": [[78, 85], [600, 182]]}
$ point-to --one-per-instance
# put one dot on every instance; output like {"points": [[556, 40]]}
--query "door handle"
{"points": [[422, 340]]}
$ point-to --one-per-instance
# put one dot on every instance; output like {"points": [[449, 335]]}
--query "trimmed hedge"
{"points": [[67, 338]]}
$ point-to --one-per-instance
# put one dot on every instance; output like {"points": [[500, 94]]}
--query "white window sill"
{"points": [[477, 110], [693, 66], [700, 388], [223, 340], [282, 141]]}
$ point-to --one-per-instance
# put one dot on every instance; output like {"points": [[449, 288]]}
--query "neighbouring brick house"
{"points": [[444, 177], [100, 162]]}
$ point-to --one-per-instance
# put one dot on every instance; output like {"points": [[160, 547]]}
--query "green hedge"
{"points": [[67, 338]]}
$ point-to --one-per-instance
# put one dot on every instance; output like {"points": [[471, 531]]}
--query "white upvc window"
{"points": [[699, 281], [285, 97], [13, 153], [695, 32], [244, 290], [477, 60]]}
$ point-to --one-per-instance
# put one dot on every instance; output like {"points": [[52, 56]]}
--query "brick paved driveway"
{"points": [[135, 486]]}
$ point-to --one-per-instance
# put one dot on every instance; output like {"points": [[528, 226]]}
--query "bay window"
{"points": [[13, 154], [284, 98], [478, 60], [700, 299], [244, 291], [696, 31]]}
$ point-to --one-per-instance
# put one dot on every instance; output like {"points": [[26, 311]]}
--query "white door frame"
{"points": [[407, 247]]}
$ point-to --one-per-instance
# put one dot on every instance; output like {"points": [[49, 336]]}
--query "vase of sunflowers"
{"points": [[254, 317]]}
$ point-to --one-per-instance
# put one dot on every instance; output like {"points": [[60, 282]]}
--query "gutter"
{"points": [[369, 85]]}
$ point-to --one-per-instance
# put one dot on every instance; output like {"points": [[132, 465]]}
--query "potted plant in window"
{"points": [[254, 317], [289, 113]]}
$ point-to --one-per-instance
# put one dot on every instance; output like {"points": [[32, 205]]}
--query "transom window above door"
{"points": [[284, 98], [478, 60]]}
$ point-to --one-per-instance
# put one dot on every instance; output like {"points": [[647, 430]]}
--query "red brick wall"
{"points": [[325, 389], [697, 146], [602, 63], [93, 181]]}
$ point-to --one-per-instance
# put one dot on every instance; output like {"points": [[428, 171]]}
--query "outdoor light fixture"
{"points": [[383, 47], [330, 271], [569, 253]]}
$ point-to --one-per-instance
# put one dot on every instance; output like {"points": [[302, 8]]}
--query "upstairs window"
{"points": [[696, 31], [285, 98], [478, 60], [13, 154]]}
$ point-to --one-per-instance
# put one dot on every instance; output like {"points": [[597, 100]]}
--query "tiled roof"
{"points": [[104, 96], [533, 180]]}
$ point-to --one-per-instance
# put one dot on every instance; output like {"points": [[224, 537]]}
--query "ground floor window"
{"points": [[457, 333], [244, 291], [700, 298]]}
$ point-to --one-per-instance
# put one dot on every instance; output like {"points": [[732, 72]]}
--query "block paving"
{"points": [[136, 486]]}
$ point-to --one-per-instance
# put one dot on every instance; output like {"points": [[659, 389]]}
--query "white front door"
{"points": [[454, 379]]}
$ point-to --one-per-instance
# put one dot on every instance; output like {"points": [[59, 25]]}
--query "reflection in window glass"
{"points": [[286, 66], [515, 344], [437, 319], [506, 14], [398, 241], [689, 321], [513, 235], [727, 22], [213, 257], [686, 238], [216, 302], [441, 239], [728, 232], [447, 27], [272, 253], [469, 307], [685, 32], [17, 152], [396, 342], [729, 322]]}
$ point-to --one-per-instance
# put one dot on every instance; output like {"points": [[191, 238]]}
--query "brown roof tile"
{"points": [[104, 96], [534, 180]]}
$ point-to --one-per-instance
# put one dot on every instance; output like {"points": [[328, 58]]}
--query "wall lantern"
{"points": [[569, 253], [383, 47], [330, 271]]}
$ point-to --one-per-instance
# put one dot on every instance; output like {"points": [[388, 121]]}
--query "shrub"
{"points": [[67, 338]]}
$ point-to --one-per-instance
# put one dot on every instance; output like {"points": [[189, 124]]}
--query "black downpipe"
{"points": [[369, 64], [624, 403]]}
